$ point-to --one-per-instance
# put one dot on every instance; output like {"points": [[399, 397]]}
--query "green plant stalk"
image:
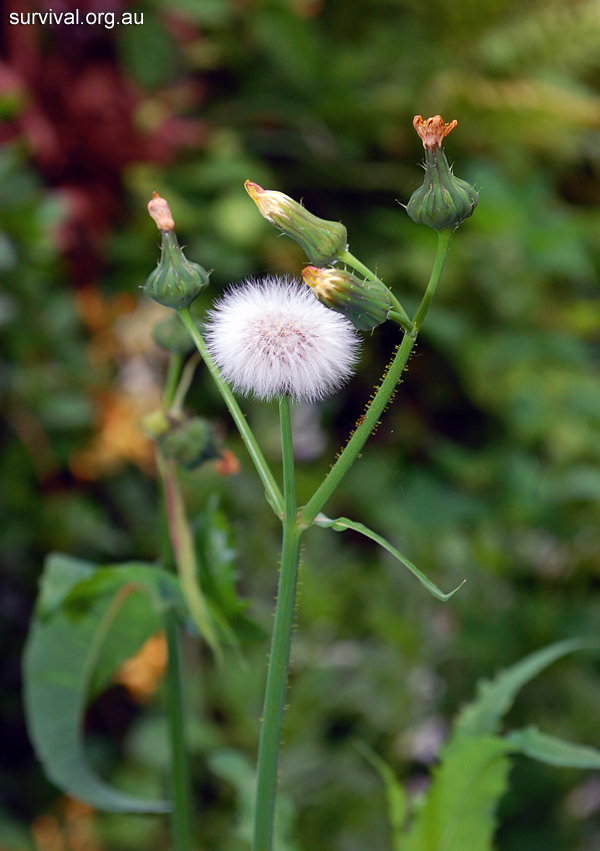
{"points": [[181, 816], [383, 395], [444, 239], [273, 493], [187, 376], [400, 315], [172, 380], [279, 658], [182, 545], [181, 783]]}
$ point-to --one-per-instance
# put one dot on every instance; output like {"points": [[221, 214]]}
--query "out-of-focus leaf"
{"points": [[552, 750], [105, 622], [397, 805], [238, 770], [495, 697], [459, 814], [218, 558]]}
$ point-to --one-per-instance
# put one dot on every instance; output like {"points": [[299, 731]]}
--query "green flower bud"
{"points": [[190, 442], [443, 201], [322, 241], [172, 336], [176, 281], [364, 303]]}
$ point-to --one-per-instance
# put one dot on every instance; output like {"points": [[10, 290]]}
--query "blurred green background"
{"points": [[487, 466]]}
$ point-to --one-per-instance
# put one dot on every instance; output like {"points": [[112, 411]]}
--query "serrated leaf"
{"points": [[459, 813], [342, 523], [218, 558], [62, 653], [495, 697], [552, 750]]}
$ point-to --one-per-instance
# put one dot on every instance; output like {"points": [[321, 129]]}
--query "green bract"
{"points": [[364, 303], [322, 240], [443, 201], [176, 281]]}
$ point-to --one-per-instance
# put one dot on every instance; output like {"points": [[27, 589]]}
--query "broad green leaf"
{"points": [[553, 750], [495, 697], [459, 813], [138, 617], [397, 805], [61, 574], [103, 621], [342, 523]]}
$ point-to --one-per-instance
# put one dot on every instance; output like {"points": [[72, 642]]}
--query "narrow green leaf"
{"points": [[553, 750], [342, 523], [397, 805], [459, 814], [62, 653], [495, 697]]}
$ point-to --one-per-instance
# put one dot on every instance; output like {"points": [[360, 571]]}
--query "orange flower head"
{"points": [[432, 130]]}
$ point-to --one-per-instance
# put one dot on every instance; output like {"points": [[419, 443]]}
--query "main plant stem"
{"points": [[181, 817], [279, 659]]}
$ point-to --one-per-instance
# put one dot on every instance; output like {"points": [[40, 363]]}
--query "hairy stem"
{"points": [[279, 658]]}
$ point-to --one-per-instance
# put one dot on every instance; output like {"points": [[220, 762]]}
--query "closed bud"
{"points": [[443, 201], [155, 424], [190, 442], [176, 281], [364, 303], [323, 241]]}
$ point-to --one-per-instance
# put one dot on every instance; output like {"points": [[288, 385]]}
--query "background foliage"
{"points": [[486, 467]]}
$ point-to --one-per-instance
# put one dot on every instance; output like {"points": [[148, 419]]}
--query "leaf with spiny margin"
{"points": [[89, 621], [459, 813], [342, 523], [495, 697], [552, 750]]}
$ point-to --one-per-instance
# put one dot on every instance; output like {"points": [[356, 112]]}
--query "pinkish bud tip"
{"points": [[253, 188], [160, 212]]}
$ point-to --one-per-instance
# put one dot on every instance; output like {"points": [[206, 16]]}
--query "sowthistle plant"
{"points": [[291, 341]]}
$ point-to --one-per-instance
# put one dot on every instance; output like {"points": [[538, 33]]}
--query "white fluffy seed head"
{"points": [[271, 337]]}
